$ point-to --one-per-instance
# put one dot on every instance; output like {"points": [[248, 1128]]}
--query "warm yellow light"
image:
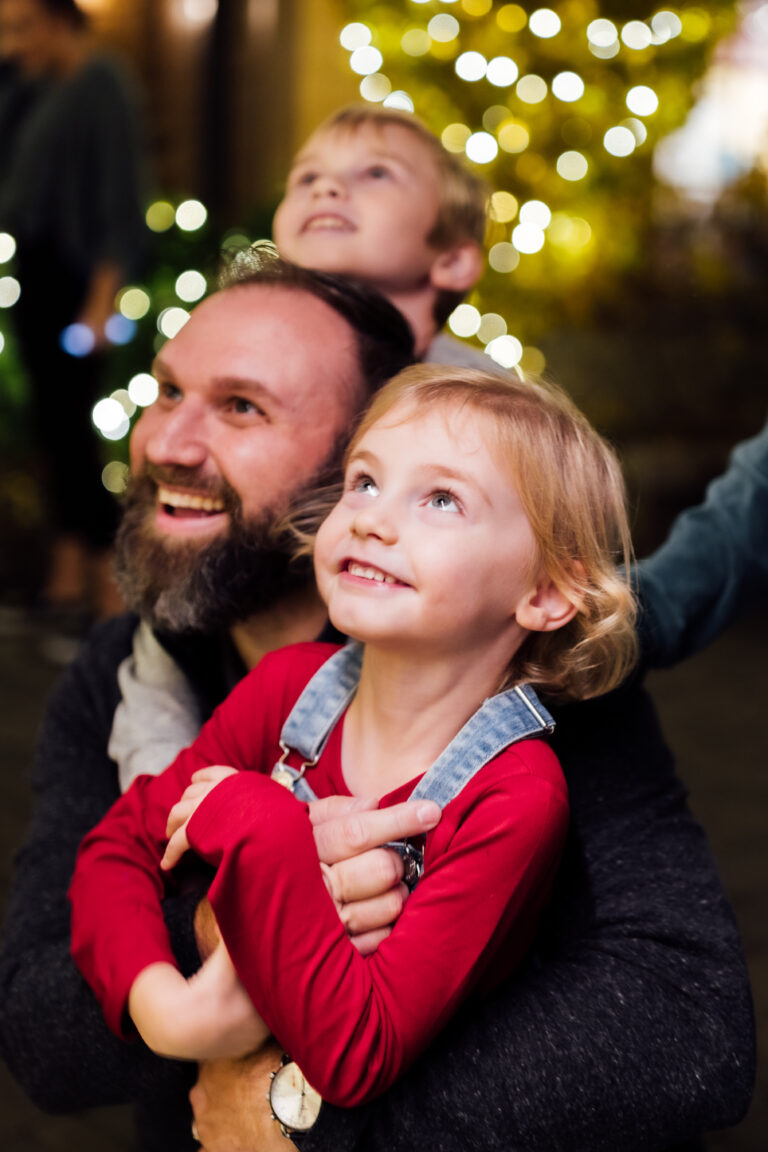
{"points": [[454, 137], [503, 207], [514, 137], [415, 42], [531, 89], [133, 303], [503, 257], [511, 18], [375, 88], [160, 216], [572, 166], [115, 476]]}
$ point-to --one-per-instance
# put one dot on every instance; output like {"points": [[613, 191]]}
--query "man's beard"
{"points": [[186, 586]]}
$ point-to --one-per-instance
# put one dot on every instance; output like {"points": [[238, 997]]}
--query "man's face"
{"points": [[362, 202], [256, 391], [28, 34]]}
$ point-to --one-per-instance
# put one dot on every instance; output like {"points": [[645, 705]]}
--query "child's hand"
{"points": [[203, 782], [208, 1017]]}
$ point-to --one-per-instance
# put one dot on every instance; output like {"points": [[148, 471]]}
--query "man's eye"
{"points": [[242, 407], [168, 391]]}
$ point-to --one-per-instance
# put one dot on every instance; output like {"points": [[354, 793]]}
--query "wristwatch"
{"points": [[295, 1104]]}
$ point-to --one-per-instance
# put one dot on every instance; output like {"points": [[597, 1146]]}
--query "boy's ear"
{"points": [[457, 269], [546, 607]]}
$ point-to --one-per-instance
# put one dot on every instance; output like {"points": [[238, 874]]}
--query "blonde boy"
{"points": [[373, 194]]}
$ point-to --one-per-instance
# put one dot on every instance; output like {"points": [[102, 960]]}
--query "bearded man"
{"points": [[629, 1028]]}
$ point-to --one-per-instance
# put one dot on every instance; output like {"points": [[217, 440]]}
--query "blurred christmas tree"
{"points": [[560, 109]]}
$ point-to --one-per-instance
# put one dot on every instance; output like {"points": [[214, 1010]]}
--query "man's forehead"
{"points": [[277, 336]]}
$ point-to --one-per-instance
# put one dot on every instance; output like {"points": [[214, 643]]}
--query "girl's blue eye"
{"points": [[444, 501], [364, 484]]}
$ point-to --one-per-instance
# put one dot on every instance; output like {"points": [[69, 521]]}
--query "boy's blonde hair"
{"points": [[463, 196], [571, 487]]}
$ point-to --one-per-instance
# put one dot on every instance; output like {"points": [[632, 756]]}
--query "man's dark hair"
{"points": [[384, 337]]}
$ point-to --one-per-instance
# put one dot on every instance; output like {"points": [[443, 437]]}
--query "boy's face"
{"points": [[362, 202], [429, 547]]}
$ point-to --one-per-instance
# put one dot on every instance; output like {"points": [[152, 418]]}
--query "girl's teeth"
{"points": [[371, 574]]}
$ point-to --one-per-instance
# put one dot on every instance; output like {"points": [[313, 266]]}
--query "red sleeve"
{"points": [[117, 887], [353, 1023]]}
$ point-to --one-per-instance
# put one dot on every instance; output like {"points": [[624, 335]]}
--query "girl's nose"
{"points": [[375, 520]]}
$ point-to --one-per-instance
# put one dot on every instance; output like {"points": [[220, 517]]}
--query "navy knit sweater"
{"points": [[630, 1028]]}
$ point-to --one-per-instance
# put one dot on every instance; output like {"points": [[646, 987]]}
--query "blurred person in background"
{"points": [[70, 196]]}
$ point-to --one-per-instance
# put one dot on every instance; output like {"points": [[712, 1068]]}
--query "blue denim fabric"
{"points": [[500, 721], [713, 563]]}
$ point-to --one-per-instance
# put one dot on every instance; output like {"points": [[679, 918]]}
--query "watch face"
{"points": [[293, 1101]]}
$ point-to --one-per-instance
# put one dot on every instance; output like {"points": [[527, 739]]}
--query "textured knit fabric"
{"points": [[353, 1023], [629, 1029], [714, 563]]}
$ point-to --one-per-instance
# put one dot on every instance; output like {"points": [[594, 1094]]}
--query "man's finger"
{"points": [[367, 942], [365, 876], [373, 915], [334, 807], [357, 831]]}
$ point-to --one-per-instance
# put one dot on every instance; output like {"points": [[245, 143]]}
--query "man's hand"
{"points": [[231, 1108], [364, 879]]}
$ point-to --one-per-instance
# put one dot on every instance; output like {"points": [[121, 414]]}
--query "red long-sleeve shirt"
{"points": [[353, 1023]]}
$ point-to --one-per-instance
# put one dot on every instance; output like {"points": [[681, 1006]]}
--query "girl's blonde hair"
{"points": [[571, 487]]}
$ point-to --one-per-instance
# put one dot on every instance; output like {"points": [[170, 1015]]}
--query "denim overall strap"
{"points": [[323, 702], [500, 721]]}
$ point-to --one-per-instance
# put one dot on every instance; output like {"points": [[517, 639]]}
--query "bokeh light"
{"points": [[77, 340], [465, 320], [619, 141], [171, 321], [115, 476], [568, 86], [143, 389], [7, 247], [190, 286], [191, 215], [544, 23], [160, 216], [133, 303], [502, 71], [481, 148], [355, 35], [10, 291], [366, 61]]}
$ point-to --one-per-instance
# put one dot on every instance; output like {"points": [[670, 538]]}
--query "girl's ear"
{"points": [[457, 269], [546, 607]]}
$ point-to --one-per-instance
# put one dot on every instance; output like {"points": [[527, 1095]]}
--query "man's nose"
{"points": [[178, 436]]}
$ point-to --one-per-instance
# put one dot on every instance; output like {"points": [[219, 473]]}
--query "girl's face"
{"points": [[429, 545]]}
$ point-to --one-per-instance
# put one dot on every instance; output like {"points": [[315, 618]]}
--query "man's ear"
{"points": [[457, 269], [546, 607]]}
